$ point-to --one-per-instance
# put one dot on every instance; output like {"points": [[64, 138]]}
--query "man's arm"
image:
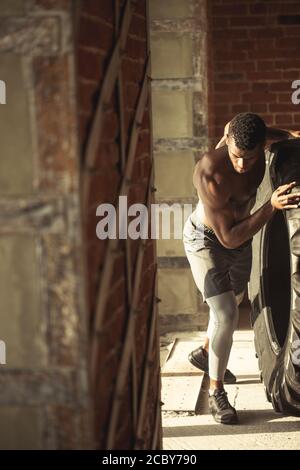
{"points": [[232, 234], [219, 214], [275, 135]]}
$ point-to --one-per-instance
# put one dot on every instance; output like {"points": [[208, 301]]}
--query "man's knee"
{"points": [[223, 309]]}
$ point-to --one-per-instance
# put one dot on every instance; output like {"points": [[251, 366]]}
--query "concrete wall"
{"points": [[44, 400], [180, 119]]}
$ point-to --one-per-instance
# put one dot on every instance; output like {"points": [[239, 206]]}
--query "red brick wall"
{"points": [[253, 61], [95, 45]]}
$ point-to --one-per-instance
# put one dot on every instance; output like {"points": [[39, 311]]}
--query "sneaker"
{"points": [[199, 359], [221, 409]]}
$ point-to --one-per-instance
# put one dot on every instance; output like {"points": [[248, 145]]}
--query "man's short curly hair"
{"points": [[248, 130]]}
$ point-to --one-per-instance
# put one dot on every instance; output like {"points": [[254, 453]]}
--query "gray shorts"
{"points": [[216, 269]]}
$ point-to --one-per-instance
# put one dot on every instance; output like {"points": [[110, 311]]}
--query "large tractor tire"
{"points": [[274, 287]]}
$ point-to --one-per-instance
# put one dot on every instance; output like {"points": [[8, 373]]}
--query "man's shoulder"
{"points": [[210, 165], [210, 181]]}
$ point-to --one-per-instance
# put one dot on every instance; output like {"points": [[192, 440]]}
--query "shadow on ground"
{"points": [[250, 422]]}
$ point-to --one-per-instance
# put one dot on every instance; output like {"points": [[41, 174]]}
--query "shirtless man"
{"points": [[218, 239]]}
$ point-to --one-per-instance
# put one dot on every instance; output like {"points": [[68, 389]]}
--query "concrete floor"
{"points": [[260, 427]]}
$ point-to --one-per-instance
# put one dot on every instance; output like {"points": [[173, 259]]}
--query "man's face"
{"points": [[243, 160]]}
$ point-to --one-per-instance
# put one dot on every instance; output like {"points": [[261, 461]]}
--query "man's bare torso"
{"points": [[242, 187]]}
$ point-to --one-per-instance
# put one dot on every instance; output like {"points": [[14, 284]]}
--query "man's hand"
{"points": [[295, 134], [282, 198]]}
